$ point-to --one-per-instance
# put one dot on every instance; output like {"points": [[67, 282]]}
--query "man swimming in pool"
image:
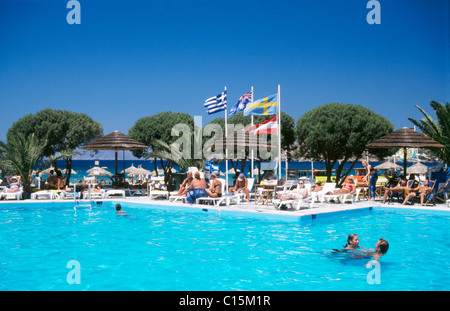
{"points": [[119, 210], [381, 249]]}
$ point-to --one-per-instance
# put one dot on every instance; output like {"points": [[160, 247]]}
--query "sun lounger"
{"points": [[44, 195], [94, 195], [114, 193], [350, 197], [11, 195], [216, 201], [156, 187], [174, 198]]}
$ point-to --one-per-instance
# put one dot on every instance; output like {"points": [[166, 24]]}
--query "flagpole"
{"points": [[226, 148], [279, 132], [252, 161]]}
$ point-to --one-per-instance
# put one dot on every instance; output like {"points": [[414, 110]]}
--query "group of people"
{"points": [[194, 187], [381, 247], [409, 188]]}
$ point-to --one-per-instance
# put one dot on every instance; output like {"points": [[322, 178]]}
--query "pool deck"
{"points": [[318, 207]]}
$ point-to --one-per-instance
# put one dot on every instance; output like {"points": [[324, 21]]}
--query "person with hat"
{"points": [[14, 185], [241, 186]]}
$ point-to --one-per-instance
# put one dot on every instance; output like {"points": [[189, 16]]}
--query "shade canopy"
{"points": [[115, 141], [418, 168], [388, 165], [405, 138]]}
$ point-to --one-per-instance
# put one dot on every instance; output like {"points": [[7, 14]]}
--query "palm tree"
{"points": [[440, 130], [20, 155]]}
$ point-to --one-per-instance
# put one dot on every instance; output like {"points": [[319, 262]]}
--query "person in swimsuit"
{"points": [[197, 189], [300, 193], [14, 185], [184, 187], [372, 177], [348, 187], [241, 186], [353, 243], [215, 190], [422, 191]]}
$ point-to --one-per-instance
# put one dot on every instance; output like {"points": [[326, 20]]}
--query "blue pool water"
{"points": [[176, 248]]}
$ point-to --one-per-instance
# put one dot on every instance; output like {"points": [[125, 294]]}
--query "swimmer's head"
{"points": [[382, 246], [118, 207], [352, 239]]}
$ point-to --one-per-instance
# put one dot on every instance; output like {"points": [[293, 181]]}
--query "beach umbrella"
{"points": [[388, 165], [418, 168], [47, 171], [132, 170], [72, 172], [405, 138], [98, 171], [115, 141]]}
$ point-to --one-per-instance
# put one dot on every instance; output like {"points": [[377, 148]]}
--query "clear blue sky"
{"points": [[130, 59]]}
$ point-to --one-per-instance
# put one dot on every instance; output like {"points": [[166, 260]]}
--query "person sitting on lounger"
{"points": [[184, 187], [400, 188], [197, 189], [241, 186], [422, 191], [215, 189], [348, 187], [300, 193], [14, 185]]}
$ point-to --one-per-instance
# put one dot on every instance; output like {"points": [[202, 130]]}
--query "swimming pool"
{"points": [[177, 248]]}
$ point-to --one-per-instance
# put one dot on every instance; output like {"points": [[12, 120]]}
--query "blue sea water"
{"points": [[181, 248]]}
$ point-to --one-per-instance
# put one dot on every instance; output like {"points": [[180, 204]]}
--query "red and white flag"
{"points": [[269, 126]]}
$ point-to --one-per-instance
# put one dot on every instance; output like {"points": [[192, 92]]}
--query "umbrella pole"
{"points": [[404, 161], [115, 162]]}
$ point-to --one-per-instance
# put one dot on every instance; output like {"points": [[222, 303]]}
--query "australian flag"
{"points": [[242, 103]]}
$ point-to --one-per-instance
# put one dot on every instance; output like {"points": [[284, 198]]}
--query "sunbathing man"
{"points": [[215, 189], [400, 188], [241, 186], [300, 193], [422, 191]]}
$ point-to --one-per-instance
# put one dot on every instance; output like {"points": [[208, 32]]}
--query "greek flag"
{"points": [[216, 103]]}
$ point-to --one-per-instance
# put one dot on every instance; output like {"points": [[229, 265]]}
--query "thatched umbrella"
{"points": [[418, 168], [405, 138], [388, 165], [115, 141], [98, 171]]}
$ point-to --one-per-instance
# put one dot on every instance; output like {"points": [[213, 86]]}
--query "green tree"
{"points": [[336, 133], [63, 131], [20, 155], [438, 130]]}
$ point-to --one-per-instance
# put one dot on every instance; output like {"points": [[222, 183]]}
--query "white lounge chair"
{"points": [[294, 203], [44, 195], [11, 195], [350, 197], [216, 201], [174, 198], [236, 197], [94, 195], [155, 188], [114, 193]]}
